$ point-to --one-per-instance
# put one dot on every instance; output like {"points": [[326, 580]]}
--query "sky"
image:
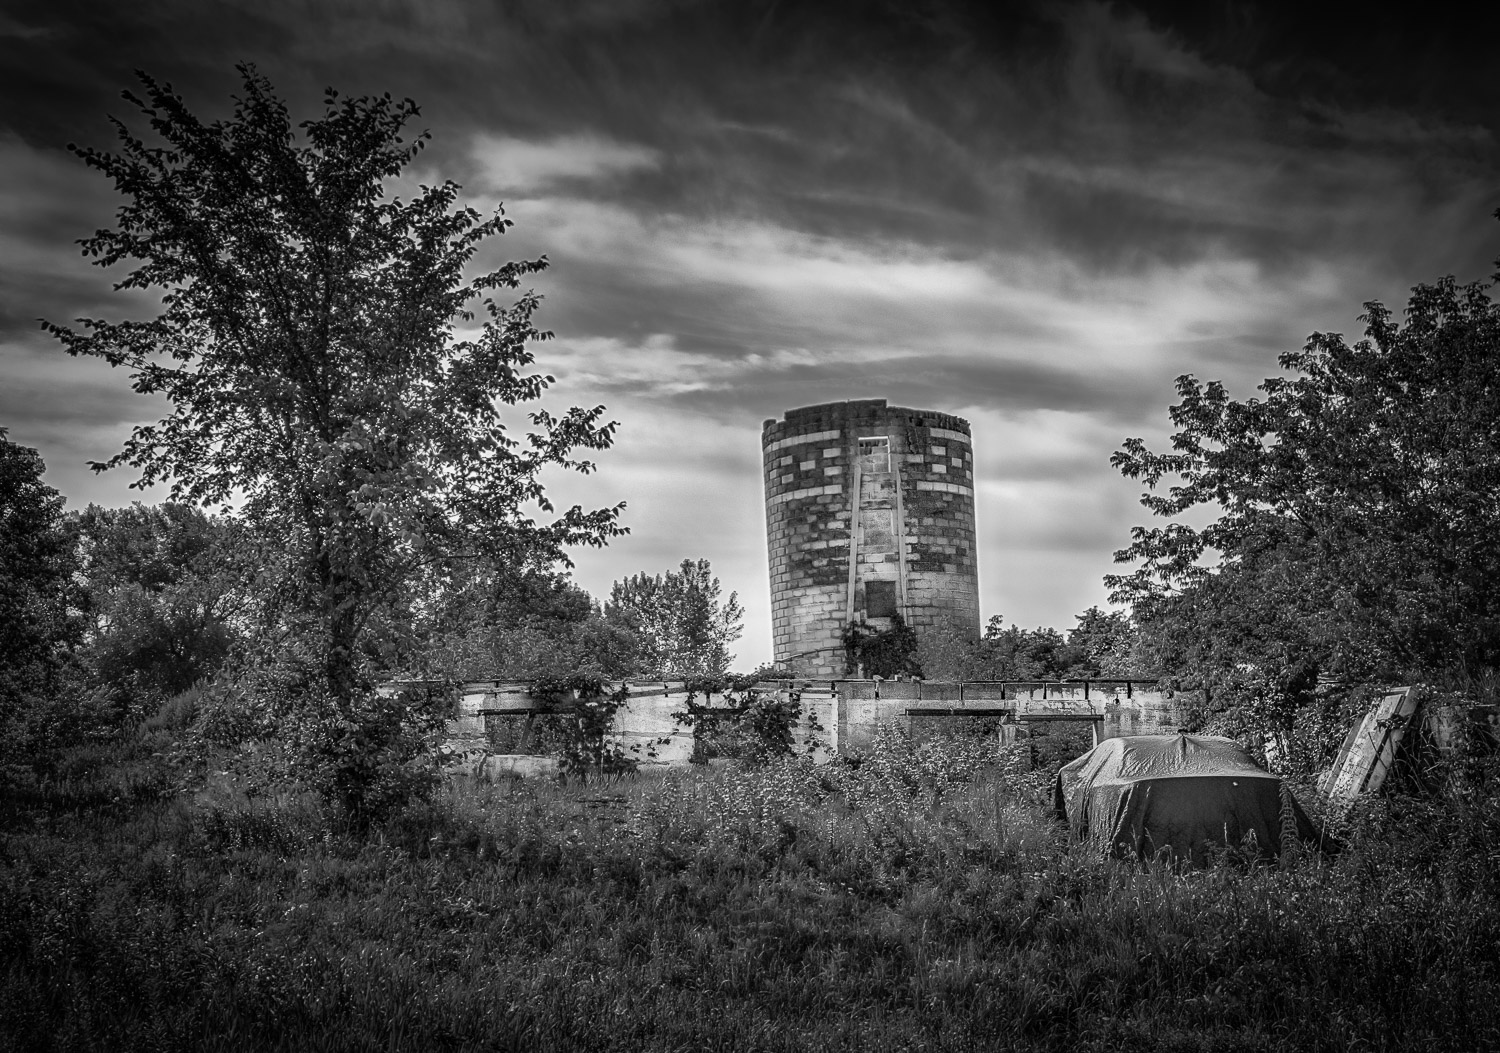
{"points": [[1034, 216]]}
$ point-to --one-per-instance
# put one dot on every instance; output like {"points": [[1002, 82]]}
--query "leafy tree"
{"points": [[35, 568], [309, 350], [682, 628], [527, 624], [1103, 646], [1357, 527], [1013, 653], [166, 597], [38, 628]]}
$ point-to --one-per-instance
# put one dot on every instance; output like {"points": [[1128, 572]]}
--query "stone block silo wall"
{"points": [[869, 513]]}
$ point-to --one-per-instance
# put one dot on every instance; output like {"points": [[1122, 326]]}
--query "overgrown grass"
{"points": [[923, 899]]}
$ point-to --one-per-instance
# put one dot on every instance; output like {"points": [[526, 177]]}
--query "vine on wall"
{"points": [[887, 653], [750, 725], [583, 743]]}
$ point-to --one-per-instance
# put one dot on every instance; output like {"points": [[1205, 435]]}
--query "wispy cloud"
{"points": [[10, 27], [507, 165]]}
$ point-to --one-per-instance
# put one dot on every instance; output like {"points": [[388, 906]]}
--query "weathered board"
{"points": [[1368, 752]]}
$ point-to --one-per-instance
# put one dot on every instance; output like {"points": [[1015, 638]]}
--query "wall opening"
{"points": [[875, 453], [880, 599]]}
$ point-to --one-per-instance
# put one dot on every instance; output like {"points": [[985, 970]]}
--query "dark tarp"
{"points": [[1186, 794]]}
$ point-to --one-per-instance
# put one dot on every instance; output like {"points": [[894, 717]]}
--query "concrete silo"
{"points": [[869, 513]]}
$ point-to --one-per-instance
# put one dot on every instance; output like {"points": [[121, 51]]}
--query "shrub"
{"points": [[749, 725], [583, 738]]}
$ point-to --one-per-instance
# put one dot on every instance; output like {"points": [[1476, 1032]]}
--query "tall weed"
{"points": [[915, 897]]}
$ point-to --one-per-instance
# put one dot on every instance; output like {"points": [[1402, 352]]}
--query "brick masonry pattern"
{"points": [[808, 461]]}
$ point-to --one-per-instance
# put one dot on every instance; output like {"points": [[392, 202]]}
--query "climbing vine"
{"points": [[749, 724], [583, 744], [887, 653]]}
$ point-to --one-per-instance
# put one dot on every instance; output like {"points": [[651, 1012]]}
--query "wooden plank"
{"points": [[1401, 704], [1058, 707], [1325, 781], [854, 538], [523, 711], [1370, 750], [1028, 716], [959, 711]]}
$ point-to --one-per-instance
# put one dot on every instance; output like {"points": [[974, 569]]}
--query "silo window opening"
{"points": [[875, 454], [880, 599]]}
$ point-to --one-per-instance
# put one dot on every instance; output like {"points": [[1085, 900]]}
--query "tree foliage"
{"points": [[1009, 652], [507, 623], [1356, 514], [35, 569], [682, 628], [1102, 646], [38, 622], [887, 653], [167, 591], [309, 347]]}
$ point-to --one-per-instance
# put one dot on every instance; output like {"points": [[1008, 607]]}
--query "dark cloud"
{"points": [[61, 401], [69, 71], [1035, 214], [917, 381], [1402, 58], [48, 201]]}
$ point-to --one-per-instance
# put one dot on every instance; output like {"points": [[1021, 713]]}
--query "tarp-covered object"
{"points": [[1183, 795]]}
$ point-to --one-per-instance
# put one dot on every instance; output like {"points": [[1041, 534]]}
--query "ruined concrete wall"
{"points": [[1124, 707], [645, 727], [887, 489], [836, 715]]}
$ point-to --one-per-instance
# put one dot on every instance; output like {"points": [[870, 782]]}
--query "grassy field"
{"points": [[921, 900]]}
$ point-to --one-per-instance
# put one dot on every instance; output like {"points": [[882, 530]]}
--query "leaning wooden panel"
{"points": [[1370, 751]]}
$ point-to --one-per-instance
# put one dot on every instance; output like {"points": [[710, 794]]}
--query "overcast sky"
{"points": [[1034, 220]]}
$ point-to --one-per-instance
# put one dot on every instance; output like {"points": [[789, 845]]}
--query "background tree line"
{"points": [[112, 612], [1103, 645], [354, 450]]}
